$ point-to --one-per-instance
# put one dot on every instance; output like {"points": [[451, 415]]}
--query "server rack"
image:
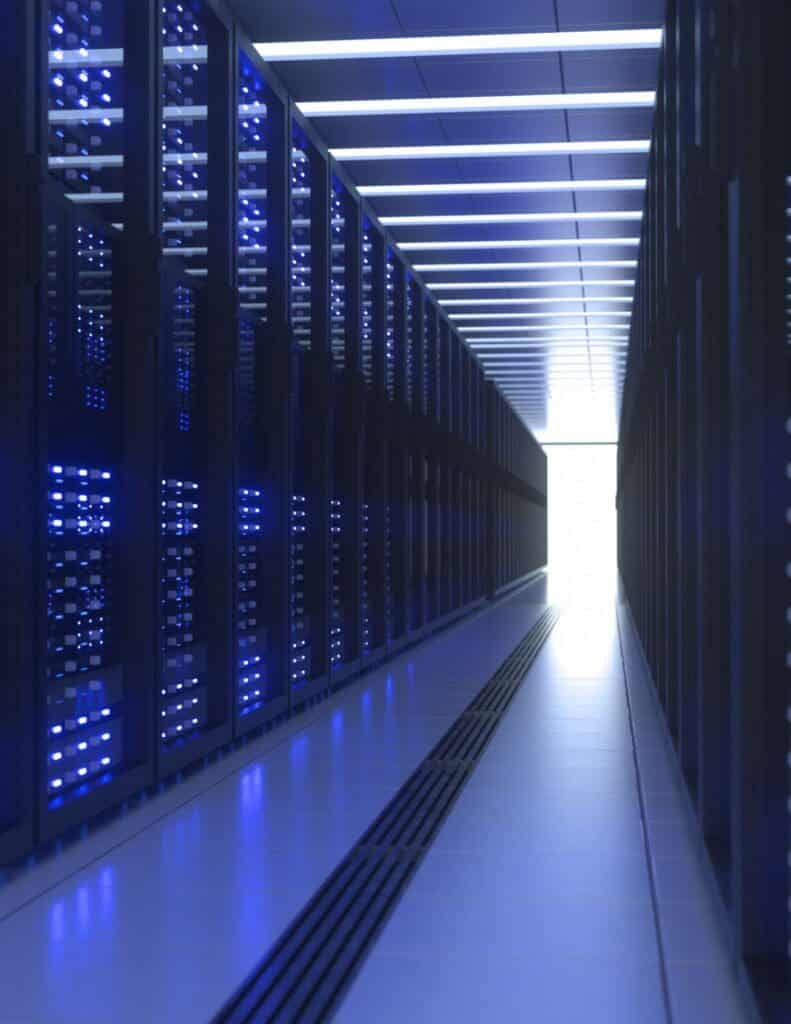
{"points": [[703, 461], [228, 330]]}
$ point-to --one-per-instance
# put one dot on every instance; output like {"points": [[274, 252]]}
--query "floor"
{"points": [[536, 900], [534, 903]]}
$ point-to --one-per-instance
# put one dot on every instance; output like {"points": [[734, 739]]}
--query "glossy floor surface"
{"points": [[564, 887], [535, 902]]}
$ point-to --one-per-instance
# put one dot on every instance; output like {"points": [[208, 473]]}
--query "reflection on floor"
{"points": [[533, 904], [160, 916]]}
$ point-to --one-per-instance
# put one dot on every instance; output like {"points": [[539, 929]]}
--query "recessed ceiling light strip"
{"points": [[580, 285], [424, 220], [461, 45], [464, 188], [505, 149], [525, 243], [478, 104]]}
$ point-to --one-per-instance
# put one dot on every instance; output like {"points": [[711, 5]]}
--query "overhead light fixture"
{"points": [[510, 218], [544, 265], [445, 268], [447, 286], [477, 104], [524, 243], [495, 347], [513, 328], [537, 300], [458, 317], [462, 45], [582, 285], [464, 188], [504, 149], [501, 342]]}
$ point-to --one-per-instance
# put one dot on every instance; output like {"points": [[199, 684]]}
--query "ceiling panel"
{"points": [[441, 17], [506, 75], [316, 19], [614, 72], [593, 14], [352, 80]]}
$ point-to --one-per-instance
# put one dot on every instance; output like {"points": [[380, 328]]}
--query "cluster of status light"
{"points": [[81, 743], [55, 319], [301, 259], [185, 135], [409, 339], [184, 327], [365, 590], [300, 631], [93, 321], [182, 708], [367, 309], [85, 98], [338, 275], [252, 667], [336, 622], [252, 180], [430, 364], [390, 344], [389, 604]]}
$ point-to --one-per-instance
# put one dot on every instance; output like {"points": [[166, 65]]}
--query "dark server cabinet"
{"points": [[431, 490], [376, 602], [21, 387], [398, 461], [703, 459], [347, 457], [198, 354], [312, 510], [240, 438], [95, 692], [415, 369]]}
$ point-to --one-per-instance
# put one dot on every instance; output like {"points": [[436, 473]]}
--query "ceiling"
{"points": [[556, 352]]}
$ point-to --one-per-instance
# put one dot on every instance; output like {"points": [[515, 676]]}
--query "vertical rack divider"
{"points": [[21, 400]]}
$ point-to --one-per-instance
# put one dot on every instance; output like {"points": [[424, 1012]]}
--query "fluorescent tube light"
{"points": [[510, 218], [580, 285], [477, 104], [447, 286], [526, 243], [464, 188], [504, 149], [457, 318], [461, 45]]}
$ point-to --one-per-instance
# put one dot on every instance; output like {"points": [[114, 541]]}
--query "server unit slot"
{"points": [[300, 619], [253, 681], [252, 157], [390, 341], [183, 703], [84, 678], [338, 276], [336, 583], [84, 687], [301, 258], [86, 100], [185, 126], [367, 311], [252, 668]]}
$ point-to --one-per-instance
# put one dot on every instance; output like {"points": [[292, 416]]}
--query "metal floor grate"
{"points": [[303, 976]]}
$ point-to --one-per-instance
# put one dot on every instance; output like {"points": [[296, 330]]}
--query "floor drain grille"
{"points": [[305, 973]]}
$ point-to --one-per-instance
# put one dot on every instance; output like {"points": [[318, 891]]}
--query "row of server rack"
{"points": [[704, 504], [244, 455]]}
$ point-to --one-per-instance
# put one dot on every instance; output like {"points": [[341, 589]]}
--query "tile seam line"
{"points": [[663, 973], [321, 708]]}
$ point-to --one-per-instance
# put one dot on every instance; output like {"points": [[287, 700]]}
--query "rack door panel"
{"points": [[94, 748]]}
